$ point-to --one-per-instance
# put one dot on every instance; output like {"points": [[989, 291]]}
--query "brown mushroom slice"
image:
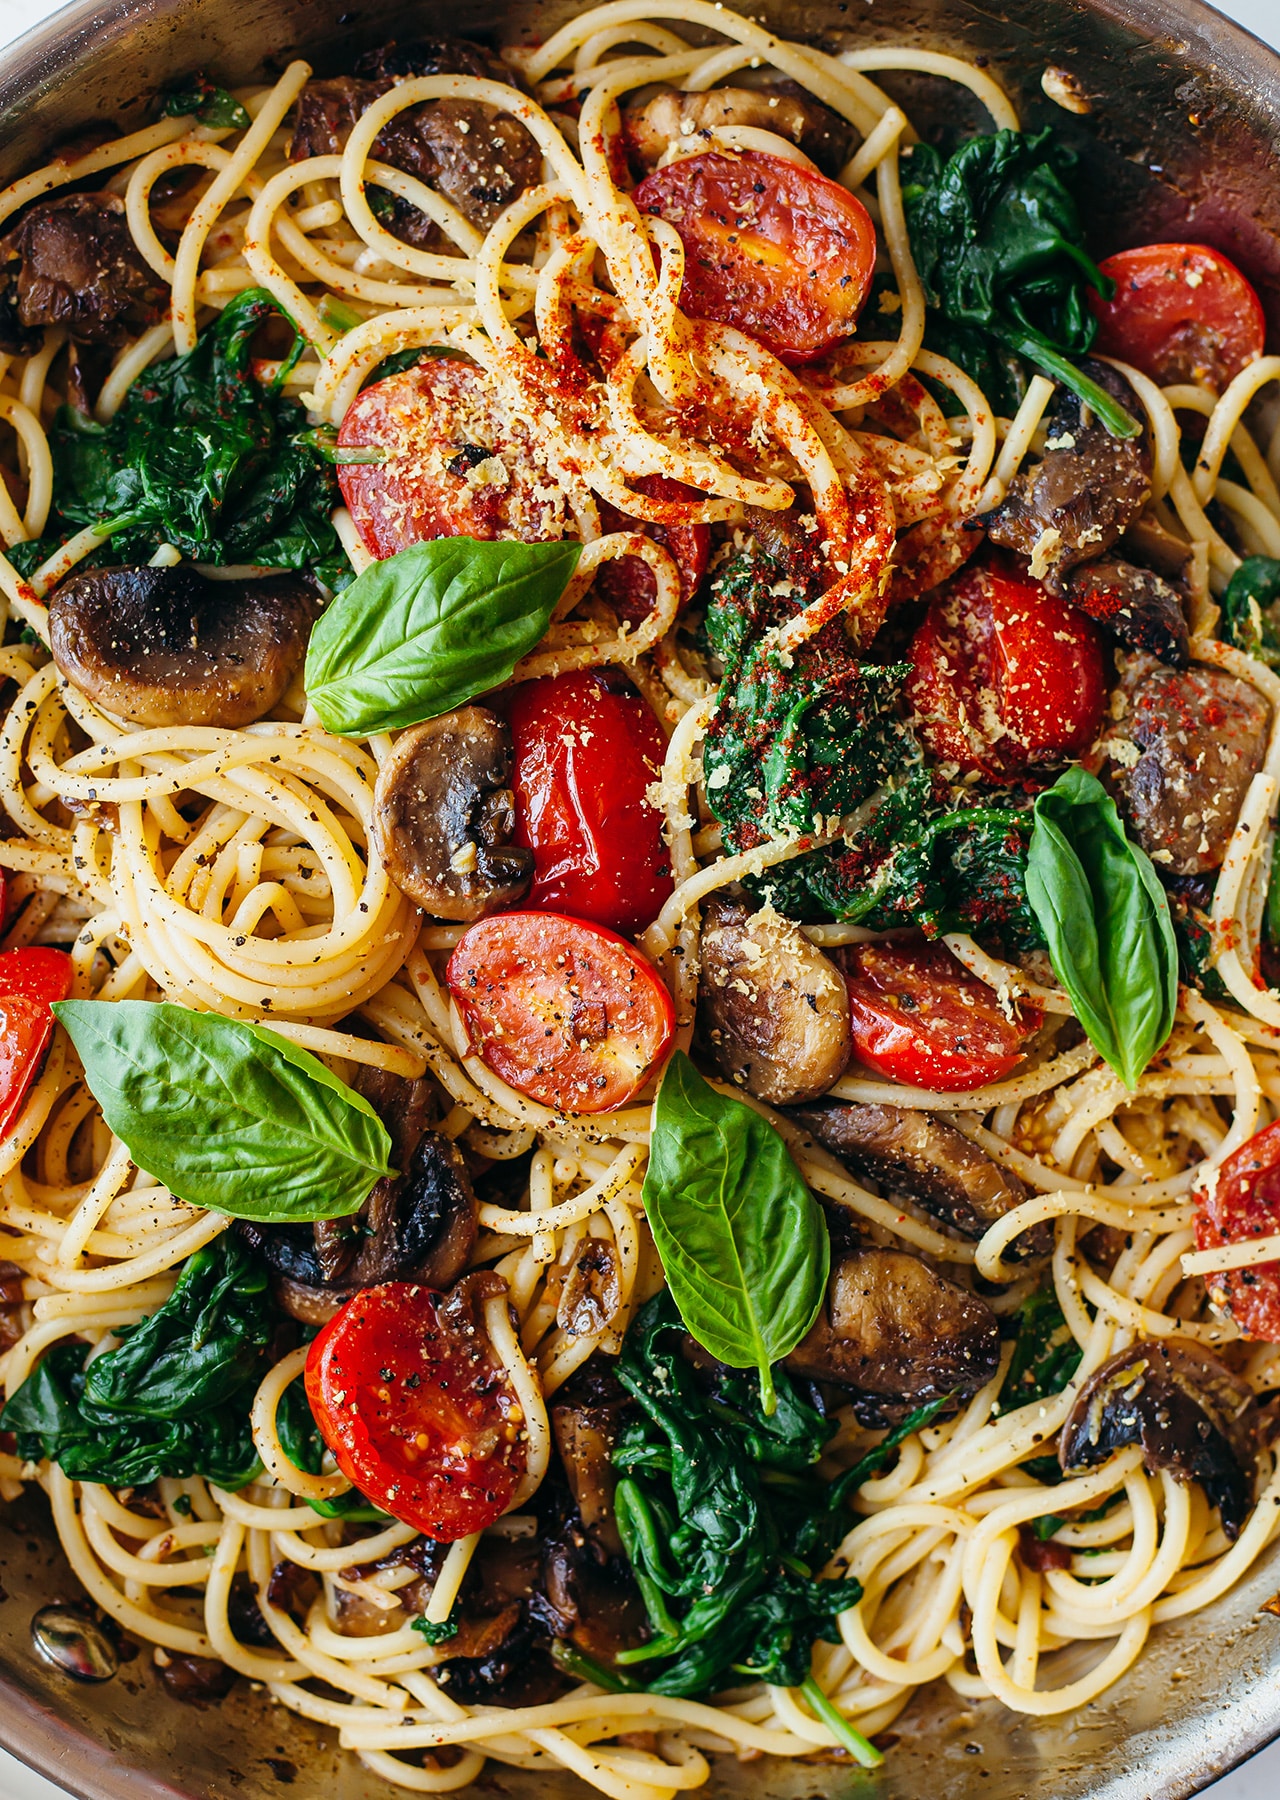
{"points": [[1134, 605], [654, 122], [585, 1437], [773, 1010], [71, 260], [1193, 1417], [898, 1335], [444, 814], [592, 1289], [170, 647], [927, 1159]]}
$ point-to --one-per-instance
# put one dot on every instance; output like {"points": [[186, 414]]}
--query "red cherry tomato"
{"points": [[417, 1409], [627, 584], [770, 247], [1004, 675], [455, 464], [570, 1015], [587, 749], [1244, 1203], [30, 980], [1181, 312], [919, 1017]]}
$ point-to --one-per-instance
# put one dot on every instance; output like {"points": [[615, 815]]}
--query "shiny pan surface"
{"points": [[1183, 141]]}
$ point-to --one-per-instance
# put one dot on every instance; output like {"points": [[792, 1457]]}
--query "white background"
{"points": [[1260, 1779]]}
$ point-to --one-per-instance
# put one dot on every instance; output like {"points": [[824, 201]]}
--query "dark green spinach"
{"points": [[301, 1442], [743, 1242], [207, 103], [227, 1114], [1105, 917], [203, 456], [428, 629], [173, 1399], [999, 246], [1045, 1357], [1251, 609]]}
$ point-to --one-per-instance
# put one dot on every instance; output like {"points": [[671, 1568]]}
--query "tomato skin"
{"points": [[919, 1017], [1181, 312], [997, 649], [1244, 1203], [587, 749], [31, 979], [444, 1386], [571, 1015], [627, 584], [455, 466], [772, 248]]}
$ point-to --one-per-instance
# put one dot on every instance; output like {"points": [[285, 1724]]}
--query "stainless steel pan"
{"points": [[1183, 140]]}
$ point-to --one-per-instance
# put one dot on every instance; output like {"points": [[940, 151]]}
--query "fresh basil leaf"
{"points": [[743, 1241], [430, 628], [1106, 921], [207, 103], [226, 1114]]}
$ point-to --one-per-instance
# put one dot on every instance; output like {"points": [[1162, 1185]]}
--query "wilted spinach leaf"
{"points": [[1250, 606], [1045, 1357], [173, 1399], [301, 1442], [207, 103]]}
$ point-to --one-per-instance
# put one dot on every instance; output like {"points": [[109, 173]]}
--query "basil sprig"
{"points": [[226, 1114], [742, 1240], [1106, 920], [430, 628]]}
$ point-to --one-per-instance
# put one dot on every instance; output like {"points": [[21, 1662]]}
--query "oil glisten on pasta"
{"points": [[637, 1051]]}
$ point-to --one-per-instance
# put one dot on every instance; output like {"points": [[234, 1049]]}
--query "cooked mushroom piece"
{"points": [[170, 647], [1197, 737], [444, 814], [592, 1289], [1192, 1416], [588, 1600], [924, 1157], [773, 1010], [585, 1435], [898, 1335], [1087, 489], [72, 261], [1134, 605], [654, 121], [419, 1225]]}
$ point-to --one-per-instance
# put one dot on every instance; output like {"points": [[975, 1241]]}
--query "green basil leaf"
{"points": [[226, 1114], [743, 1241], [1106, 920], [430, 628]]}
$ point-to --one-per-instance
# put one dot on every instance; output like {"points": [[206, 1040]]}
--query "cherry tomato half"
{"points": [[772, 248], [30, 981], [587, 749], [919, 1017], [1244, 1203], [454, 463], [627, 584], [1004, 675], [417, 1409], [572, 1016], [1181, 312]]}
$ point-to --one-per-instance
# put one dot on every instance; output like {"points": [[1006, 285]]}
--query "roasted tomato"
{"points": [[570, 1015], [587, 750], [417, 1408], [919, 1017], [1005, 676], [453, 462], [627, 584], [30, 981], [770, 247], [1181, 312], [1243, 1203]]}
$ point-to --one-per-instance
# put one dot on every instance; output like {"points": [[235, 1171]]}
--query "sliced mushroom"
{"points": [[444, 814], [1087, 489], [72, 261], [774, 1011], [1196, 738], [419, 1225], [1192, 1416], [1134, 605], [654, 122], [195, 1680], [589, 1600], [898, 1335], [170, 647], [585, 1436], [592, 1289], [924, 1157]]}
